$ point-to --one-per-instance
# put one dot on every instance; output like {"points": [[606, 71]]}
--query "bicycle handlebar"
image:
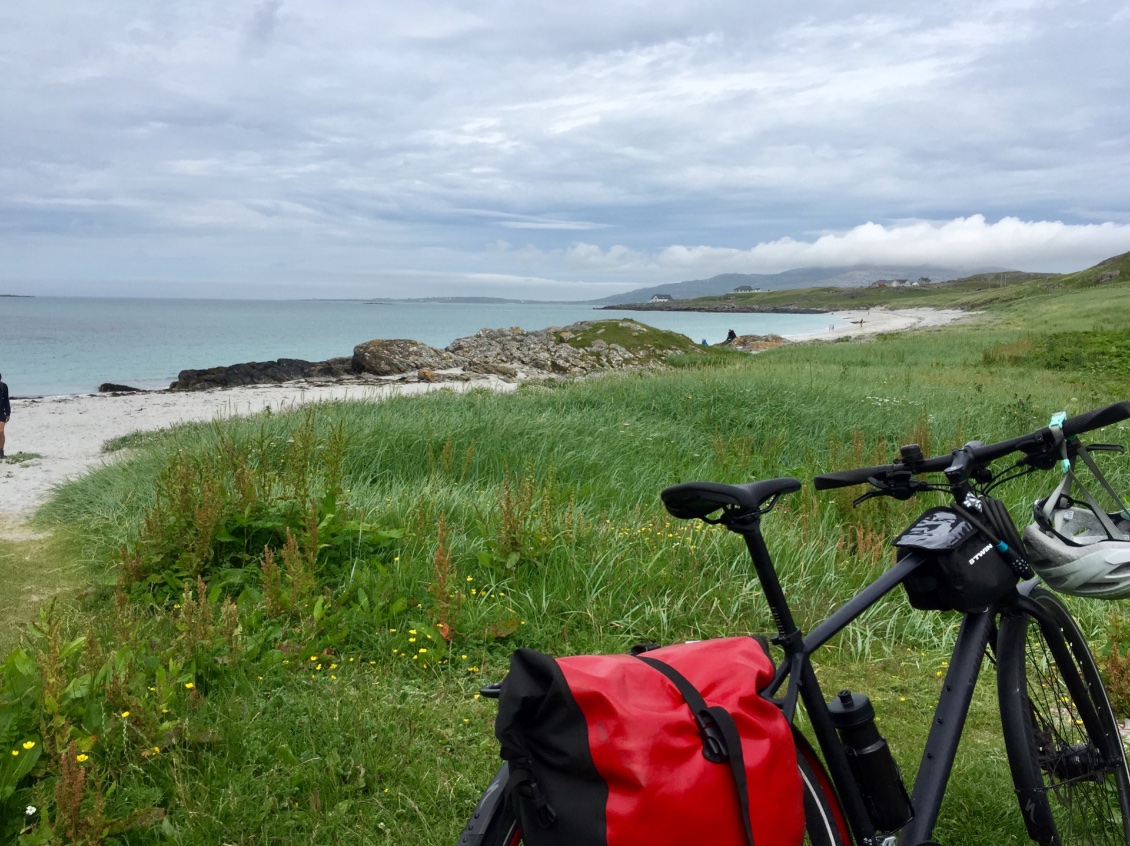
{"points": [[981, 454]]}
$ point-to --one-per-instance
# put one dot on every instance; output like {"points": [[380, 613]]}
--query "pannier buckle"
{"points": [[713, 743]]}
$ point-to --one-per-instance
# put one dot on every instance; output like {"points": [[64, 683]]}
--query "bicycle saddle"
{"points": [[691, 500]]}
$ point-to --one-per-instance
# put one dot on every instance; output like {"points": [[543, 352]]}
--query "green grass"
{"points": [[35, 569], [21, 457], [303, 711]]}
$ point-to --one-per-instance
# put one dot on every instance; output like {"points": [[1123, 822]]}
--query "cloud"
{"points": [[964, 243], [667, 138], [264, 20]]}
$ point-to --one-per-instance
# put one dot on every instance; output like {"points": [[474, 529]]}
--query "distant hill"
{"points": [[804, 277], [486, 300]]}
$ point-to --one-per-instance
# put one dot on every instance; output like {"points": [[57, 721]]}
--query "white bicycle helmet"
{"points": [[1075, 545]]}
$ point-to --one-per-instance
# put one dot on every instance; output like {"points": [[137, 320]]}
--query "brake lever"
{"points": [[1105, 448], [862, 498], [903, 488]]}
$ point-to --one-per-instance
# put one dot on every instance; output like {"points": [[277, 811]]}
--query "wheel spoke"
{"points": [[1065, 753]]}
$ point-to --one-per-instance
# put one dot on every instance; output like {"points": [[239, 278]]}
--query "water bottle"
{"points": [[875, 770]]}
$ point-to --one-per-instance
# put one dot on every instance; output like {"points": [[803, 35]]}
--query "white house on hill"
{"points": [[661, 298]]}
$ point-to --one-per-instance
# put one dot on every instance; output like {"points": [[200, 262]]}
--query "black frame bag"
{"points": [[965, 571]]}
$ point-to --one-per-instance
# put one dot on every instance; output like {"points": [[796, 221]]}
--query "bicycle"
{"points": [[1063, 744]]}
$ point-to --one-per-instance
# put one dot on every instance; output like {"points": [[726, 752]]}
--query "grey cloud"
{"points": [[379, 135], [260, 29]]}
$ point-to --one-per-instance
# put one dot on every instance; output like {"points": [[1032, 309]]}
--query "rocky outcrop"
{"points": [[112, 388], [585, 347], [390, 358], [260, 373], [577, 350], [755, 343]]}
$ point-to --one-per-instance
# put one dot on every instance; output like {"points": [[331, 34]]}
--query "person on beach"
{"points": [[731, 335], [5, 411]]}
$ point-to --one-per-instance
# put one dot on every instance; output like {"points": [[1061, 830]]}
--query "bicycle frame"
{"points": [[975, 637]]}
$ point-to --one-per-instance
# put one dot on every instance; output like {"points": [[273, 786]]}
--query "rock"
{"points": [[110, 387], [260, 372], [577, 350], [755, 343], [389, 358], [334, 368], [490, 368]]}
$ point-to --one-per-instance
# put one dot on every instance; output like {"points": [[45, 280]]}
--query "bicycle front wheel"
{"points": [[1064, 748], [495, 823]]}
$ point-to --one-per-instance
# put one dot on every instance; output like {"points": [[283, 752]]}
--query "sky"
{"points": [[293, 148]]}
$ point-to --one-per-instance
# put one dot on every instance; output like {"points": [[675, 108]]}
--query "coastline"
{"points": [[67, 432]]}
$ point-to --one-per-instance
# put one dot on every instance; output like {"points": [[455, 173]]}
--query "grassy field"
{"points": [[281, 623]]}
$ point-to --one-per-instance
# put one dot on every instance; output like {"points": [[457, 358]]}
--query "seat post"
{"points": [[789, 637]]}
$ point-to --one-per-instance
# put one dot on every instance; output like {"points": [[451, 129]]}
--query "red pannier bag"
{"points": [[674, 745]]}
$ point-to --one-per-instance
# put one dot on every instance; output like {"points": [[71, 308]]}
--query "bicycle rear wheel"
{"points": [[494, 822], [1064, 748]]}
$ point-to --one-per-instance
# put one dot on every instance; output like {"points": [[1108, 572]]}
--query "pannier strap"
{"points": [[523, 783], [721, 742]]}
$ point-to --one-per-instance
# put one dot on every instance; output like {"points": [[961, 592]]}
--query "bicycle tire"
{"points": [[1064, 748], [824, 821]]}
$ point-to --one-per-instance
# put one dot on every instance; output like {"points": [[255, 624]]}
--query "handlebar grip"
{"points": [[847, 478], [1096, 419]]}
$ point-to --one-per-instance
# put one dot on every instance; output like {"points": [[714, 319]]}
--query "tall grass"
{"points": [[294, 612]]}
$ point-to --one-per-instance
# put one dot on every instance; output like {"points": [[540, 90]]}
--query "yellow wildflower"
{"points": [[29, 744]]}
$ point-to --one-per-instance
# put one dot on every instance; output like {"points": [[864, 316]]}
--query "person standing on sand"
{"points": [[5, 411]]}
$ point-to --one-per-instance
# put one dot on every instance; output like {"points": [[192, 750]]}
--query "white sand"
{"points": [[876, 320], [68, 432]]}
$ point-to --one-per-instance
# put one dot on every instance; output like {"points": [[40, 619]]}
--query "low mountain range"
{"points": [[803, 277], [725, 283]]}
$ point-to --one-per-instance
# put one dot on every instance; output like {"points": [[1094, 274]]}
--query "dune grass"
{"points": [[325, 690]]}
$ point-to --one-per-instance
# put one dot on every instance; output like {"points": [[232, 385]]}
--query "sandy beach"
{"points": [[67, 432]]}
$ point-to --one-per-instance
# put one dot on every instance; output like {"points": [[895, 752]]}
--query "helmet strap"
{"points": [[1101, 479], [1067, 464]]}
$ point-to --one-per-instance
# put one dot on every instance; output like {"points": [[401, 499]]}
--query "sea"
{"points": [[52, 346]]}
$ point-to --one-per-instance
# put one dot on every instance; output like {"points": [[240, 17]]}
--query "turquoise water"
{"points": [[61, 345]]}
